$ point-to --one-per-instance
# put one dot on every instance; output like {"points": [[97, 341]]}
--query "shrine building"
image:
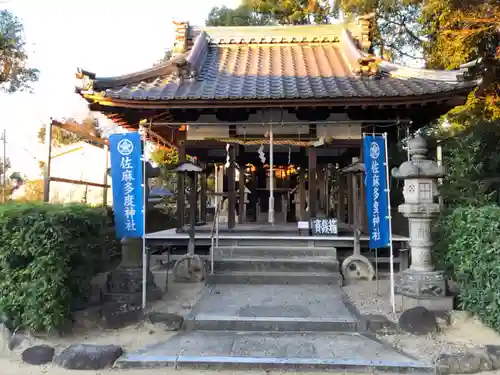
{"points": [[277, 114]]}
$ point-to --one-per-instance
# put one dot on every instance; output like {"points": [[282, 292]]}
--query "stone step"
{"points": [[275, 278], [262, 264], [269, 324], [266, 240], [276, 250], [274, 351]]}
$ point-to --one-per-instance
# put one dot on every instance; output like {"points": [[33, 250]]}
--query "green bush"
{"points": [[468, 249], [48, 254], [473, 164]]}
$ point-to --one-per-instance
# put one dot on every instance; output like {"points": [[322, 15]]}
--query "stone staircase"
{"points": [[275, 261], [274, 327], [274, 302]]}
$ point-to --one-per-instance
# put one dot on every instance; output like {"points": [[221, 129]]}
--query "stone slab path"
{"points": [[332, 351], [273, 327], [274, 308]]}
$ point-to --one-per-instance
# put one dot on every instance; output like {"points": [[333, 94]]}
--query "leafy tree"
{"points": [[292, 12], [444, 33], [240, 16], [472, 163], [14, 72], [61, 137], [461, 31], [165, 159], [397, 33], [33, 191]]}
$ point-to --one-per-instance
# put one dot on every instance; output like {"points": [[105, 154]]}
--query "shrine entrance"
{"points": [[285, 187]]}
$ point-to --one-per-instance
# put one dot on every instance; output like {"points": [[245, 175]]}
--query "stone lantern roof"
{"points": [[419, 166]]}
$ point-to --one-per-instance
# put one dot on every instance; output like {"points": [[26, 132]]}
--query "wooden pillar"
{"points": [[105, 177], [192, 211], [341, 190], [312, 157], [321, 188], [349, 193], [362, 210], [241, 198], [362, 200], [181, 189], [302, 192], [241, 187], [203, 193], [231, 219]]}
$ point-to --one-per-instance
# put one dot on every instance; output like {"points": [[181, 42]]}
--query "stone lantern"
{"points": [[421, 284]]}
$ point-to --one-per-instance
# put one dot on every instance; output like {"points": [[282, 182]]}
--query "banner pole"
{"points": [[389, 218], [144, 203]]}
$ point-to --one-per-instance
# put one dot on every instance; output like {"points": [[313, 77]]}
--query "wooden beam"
{"points": [[279, 103], [79, 182]]}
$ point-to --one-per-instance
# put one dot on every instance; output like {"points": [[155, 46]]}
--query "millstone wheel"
{"points": [[190, 268], [357, 267]]}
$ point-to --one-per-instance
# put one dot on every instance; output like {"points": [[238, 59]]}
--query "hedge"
{"points": [[48, 254], [468, 249]]}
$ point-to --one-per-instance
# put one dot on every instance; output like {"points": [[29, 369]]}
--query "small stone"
{"points": [[172, 322], [5, 337], [88, 357], [470, 363], [379, 323], [443, 319], [4, 319], [464, 363], [119, 315], [38, 355], [16, 340], [493, 352], [447, 364], [418, 320]]}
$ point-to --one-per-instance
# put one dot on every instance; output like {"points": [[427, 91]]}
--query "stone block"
{"points": [[89, 318], [421, 283], [160, 278]]}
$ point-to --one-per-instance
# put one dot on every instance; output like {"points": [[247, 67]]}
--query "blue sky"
{"points": [[108, 37]]}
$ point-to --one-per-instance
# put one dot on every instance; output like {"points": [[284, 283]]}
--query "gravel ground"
{"points": [[465, 332]]}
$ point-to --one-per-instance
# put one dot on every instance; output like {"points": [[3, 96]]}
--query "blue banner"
{"points": [[376, 191], [126, 181]]}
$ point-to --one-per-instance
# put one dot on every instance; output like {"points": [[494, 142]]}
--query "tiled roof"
{"points": [[227, 63]]}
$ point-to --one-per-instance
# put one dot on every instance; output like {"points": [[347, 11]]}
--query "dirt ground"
{"points": [[465, 331]]}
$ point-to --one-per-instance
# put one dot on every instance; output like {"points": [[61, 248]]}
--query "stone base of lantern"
{"points": [[124, 286], [422, 288], [437, 304]]}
